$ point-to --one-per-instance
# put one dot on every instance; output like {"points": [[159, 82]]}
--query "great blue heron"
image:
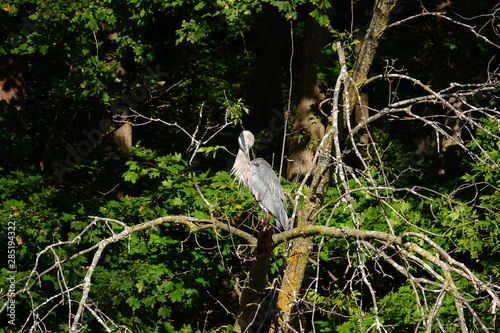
{"points": [[261, 181]]}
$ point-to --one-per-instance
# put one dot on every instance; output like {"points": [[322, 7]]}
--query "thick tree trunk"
{"points": [[308, 121], [308, 128], [301, 248]]}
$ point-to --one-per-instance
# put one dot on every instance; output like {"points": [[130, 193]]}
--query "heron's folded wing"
{"points": [[266, 189]]}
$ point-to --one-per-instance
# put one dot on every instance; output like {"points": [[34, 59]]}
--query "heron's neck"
{"points": [[241, 167]]}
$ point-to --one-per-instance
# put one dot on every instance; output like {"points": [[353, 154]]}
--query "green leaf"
{"points": [[140, 286], [177, 202], [131, 176], [134, 303], [164, 312]]}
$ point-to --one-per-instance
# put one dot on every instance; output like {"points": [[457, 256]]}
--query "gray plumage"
{"points": [[260, 179]]}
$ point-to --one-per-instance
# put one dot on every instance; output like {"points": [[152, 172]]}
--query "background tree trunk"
{"points": [[12, 92], [11, 82], [123, 137], [308, 128]]}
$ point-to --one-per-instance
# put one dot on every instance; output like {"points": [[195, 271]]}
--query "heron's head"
{"points": [[246, 141]]}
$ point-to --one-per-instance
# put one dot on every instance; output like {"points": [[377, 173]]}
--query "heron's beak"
{"points": [[243, 145]]}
